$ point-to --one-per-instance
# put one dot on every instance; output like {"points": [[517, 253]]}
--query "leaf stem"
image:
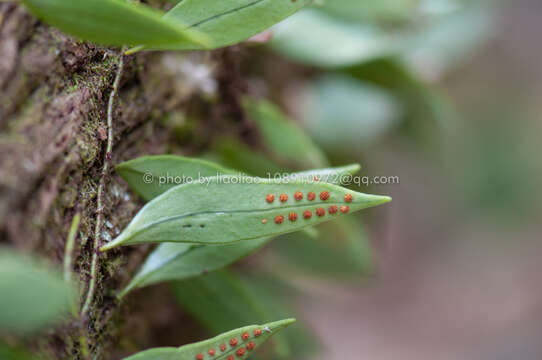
{"points": [[99, 201], [68, 251], [134, 50]]}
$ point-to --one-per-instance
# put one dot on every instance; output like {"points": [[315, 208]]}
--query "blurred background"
{"points": [[445, 95]]}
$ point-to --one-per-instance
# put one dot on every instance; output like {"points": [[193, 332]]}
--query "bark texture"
{"points": [[53, 101]]}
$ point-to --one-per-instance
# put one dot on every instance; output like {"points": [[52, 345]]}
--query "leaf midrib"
{"points": [[177, 217], [172, 218], [201, 22]]}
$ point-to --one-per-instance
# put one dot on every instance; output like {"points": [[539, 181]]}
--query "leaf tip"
{"points": [[354, 168], [380, 199], [386, 199], [277, 325]]}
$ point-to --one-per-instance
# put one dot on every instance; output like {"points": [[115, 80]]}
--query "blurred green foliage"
{"points": [[223, 299], [34, 295], [340, 102], [11, 353]]}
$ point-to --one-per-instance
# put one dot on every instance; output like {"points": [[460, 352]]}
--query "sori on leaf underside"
{"points": [[238, 343], [151, 176], [226, 209]]}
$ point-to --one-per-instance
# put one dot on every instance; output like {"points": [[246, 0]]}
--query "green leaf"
{"points": [[425, 110], [191, 351], [150, 176], [234, 153], [303, 37], [428, 44], [222, 300], [228, 22], [448, 38], [177, 261], [227, 209], [361, 113], [115, 22], [33, 296], [282, 137], [336, 175], [342, 250], [278, 298], [381, 10], [225, 298]]}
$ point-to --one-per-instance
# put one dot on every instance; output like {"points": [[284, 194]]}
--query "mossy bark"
{"points": [[53, 102]]}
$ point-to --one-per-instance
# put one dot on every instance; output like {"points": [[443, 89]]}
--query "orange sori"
{"points": [[240, 352], [324, 195]]}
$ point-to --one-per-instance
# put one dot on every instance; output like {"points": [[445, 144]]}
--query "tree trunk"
{"points": [[53, 103]]}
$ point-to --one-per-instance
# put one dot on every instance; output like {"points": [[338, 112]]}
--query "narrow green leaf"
{"points": [[361, 113], [228, 22], [303, 37], [278, 297], [191, 351], [177, 261], [151, 176], [424, 109], [33, 295], [383, 10], [115, 22], [222, 300], [282, 137], [342, 250], [336, 175], [441, 38], [227, 209], [233, 153]]}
